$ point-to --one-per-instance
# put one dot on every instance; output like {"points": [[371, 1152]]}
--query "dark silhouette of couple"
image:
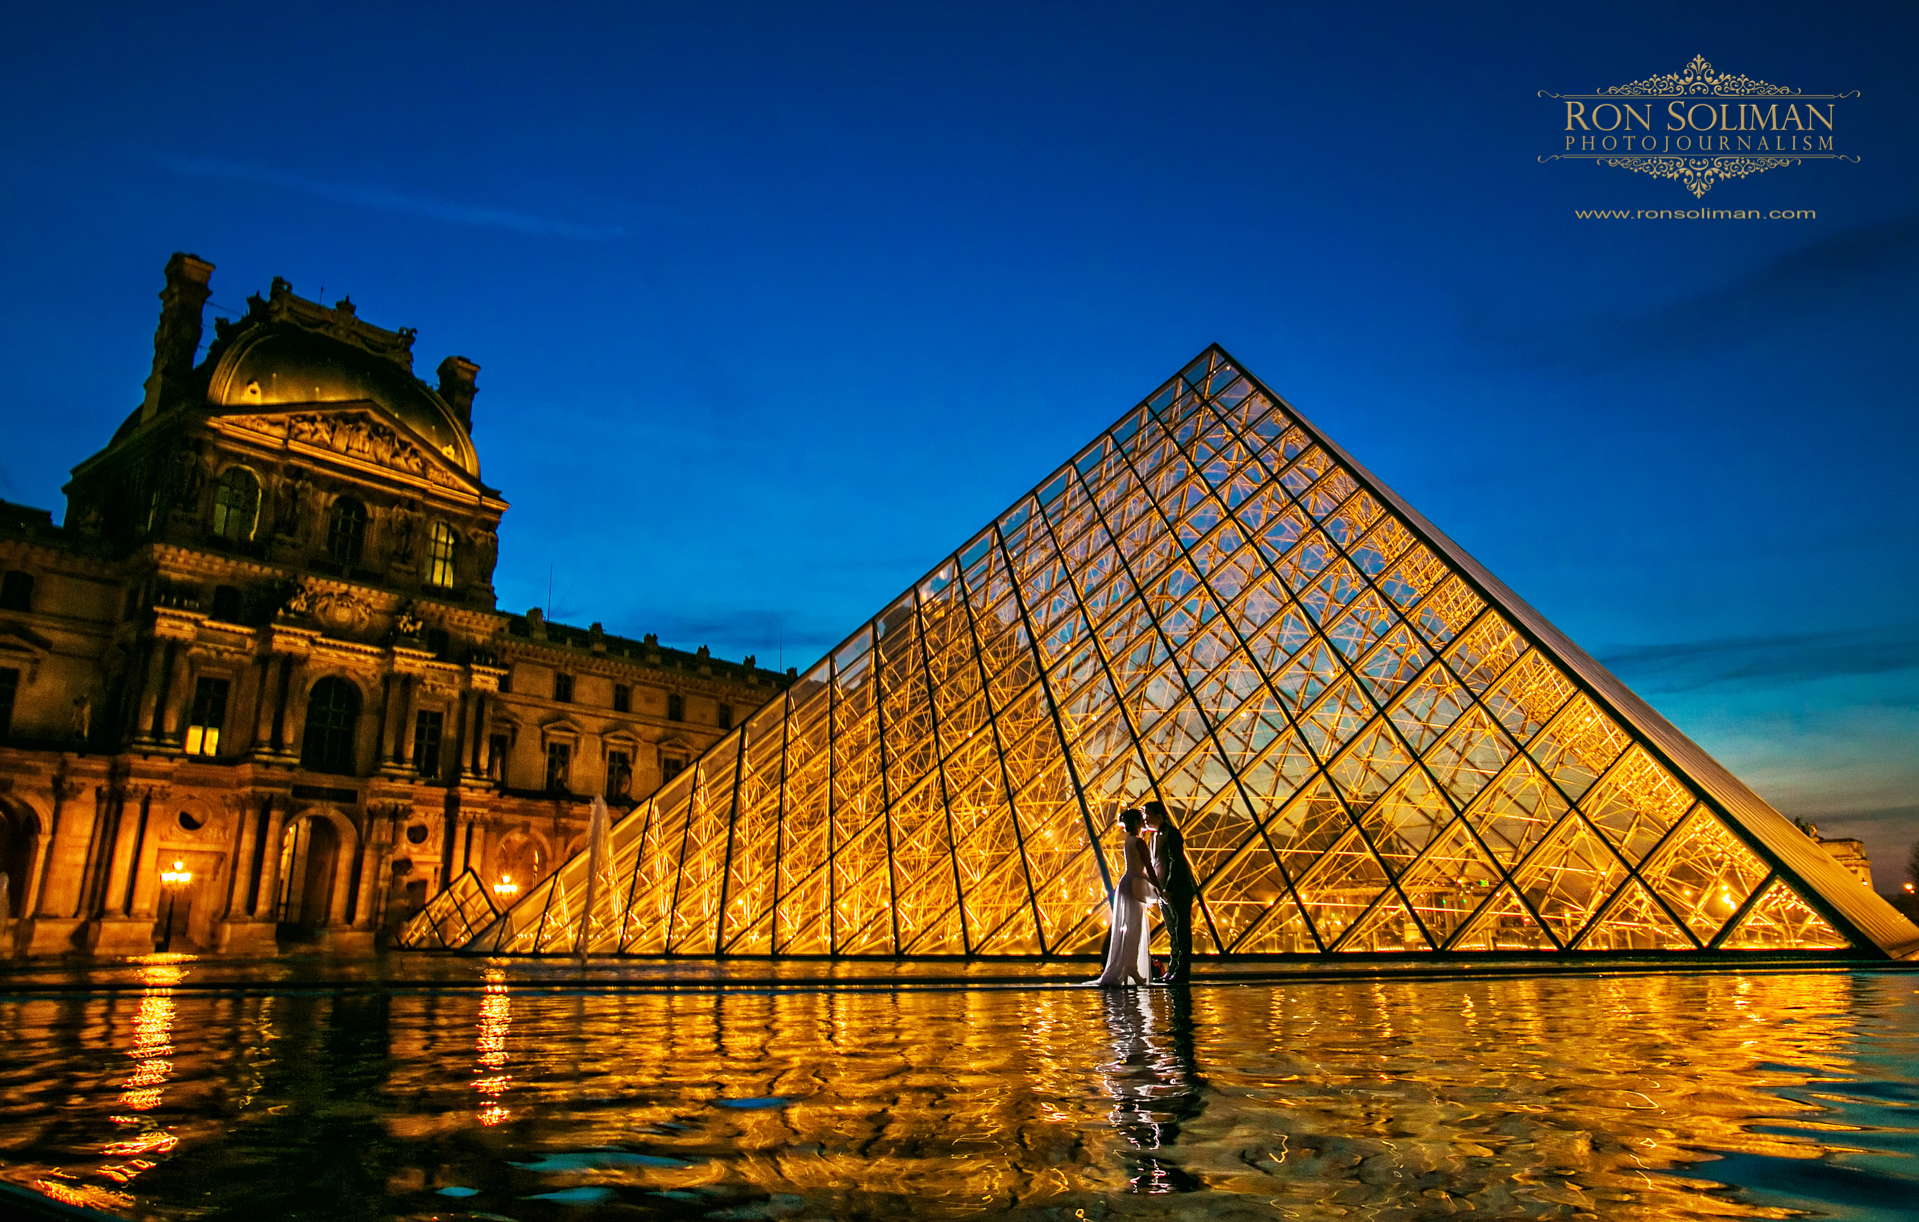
{"points": [[1155, 874]]}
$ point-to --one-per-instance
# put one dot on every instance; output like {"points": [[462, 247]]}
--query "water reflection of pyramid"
{"points": [[1371, 743]]}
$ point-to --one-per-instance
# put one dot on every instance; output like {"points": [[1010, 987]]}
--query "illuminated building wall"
{"points": [[1371, 745]]}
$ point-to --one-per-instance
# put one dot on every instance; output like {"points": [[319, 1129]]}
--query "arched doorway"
{"points": [[19, 845], [312, 866], [519, 861]]}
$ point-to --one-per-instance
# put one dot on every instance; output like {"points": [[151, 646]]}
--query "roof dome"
{"points": [[280, 367]]}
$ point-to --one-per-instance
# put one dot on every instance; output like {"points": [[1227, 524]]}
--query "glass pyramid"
{"points": [[1370, 744], [450, 919]]}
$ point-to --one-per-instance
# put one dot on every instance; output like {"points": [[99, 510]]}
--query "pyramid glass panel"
{"points": [[1371, 745]]}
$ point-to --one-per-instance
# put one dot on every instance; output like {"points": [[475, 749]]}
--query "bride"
{"points": [[1127, 961]]}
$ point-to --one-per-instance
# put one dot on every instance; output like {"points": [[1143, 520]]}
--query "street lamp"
{"points": [[175, 880], [506, 886]]}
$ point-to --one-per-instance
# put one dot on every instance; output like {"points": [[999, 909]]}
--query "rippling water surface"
{"points": [[185, 1089]]}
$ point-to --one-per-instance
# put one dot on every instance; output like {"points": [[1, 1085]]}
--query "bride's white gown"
{"points": [[1128, 959]]}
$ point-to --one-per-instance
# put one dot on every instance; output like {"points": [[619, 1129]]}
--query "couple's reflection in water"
{"points": [[1154, 1080]]}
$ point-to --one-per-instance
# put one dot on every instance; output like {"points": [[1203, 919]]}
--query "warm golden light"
{"points": [[506, 886], [1364, 750], [178, 875]]}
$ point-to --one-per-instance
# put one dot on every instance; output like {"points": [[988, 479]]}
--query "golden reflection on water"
{"points": [[1587, 1095], [496, 1018]]}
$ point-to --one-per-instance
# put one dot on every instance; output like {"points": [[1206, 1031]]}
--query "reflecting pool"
{"points": [[176, 1088]]}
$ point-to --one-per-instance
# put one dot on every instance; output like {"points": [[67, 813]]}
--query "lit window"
{"points": [[236, 505], [426, 741], [559, 761], [208, 714], [439, 556], [563, 687], [346, 531], [675, 707], [622, 698]]}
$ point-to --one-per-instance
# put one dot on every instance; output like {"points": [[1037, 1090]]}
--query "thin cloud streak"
{"points": [[383, 200], [1761, 661], [1867, 267]]}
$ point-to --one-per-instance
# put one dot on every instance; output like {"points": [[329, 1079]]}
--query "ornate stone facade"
{"points": [[256, 692]]}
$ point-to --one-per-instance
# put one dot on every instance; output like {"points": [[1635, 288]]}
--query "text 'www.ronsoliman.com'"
{"points": [[1695, 214]]}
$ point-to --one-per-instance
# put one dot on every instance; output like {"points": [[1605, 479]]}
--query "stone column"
{"points": [[267, 908], [266, 706], [409, 698], [287, 717], [469, 709], [173, 710], [476, 848], [240, 855], [125, 865], [392, 725], [146, 726], [475, 766], [371, 843]]}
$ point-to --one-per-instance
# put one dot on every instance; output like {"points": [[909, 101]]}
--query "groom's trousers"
{"points": [[1176, 910]]}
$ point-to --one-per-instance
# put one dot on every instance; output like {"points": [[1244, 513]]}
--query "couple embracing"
{"points": [[1155, 874]]}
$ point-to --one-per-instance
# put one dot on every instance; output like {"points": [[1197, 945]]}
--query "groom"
{"points": [[1176, 888]]}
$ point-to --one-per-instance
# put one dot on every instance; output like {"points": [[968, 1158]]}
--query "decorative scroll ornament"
{"points": [[336, 610], [1698, 79], [1738, 137], [1698, 173]]}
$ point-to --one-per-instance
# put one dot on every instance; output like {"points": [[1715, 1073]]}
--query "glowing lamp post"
{"points": [[506, 887], [174, 880]]}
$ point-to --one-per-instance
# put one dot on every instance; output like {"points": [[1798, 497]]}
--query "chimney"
{"points": [[456, 387], [177, 339]]}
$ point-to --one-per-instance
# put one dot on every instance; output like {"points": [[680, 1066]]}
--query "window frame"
{"points": [[206, 715], [224, 514], [441, 569]]}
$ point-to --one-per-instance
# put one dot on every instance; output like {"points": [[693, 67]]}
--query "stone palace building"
{"points": [[255, 692]]}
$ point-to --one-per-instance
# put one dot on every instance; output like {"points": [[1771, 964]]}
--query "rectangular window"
{"points": [[16, 591], [726, 717], [9, 684], [670, 768], [439, 556], [496, 758], [619, 774], [559, 761], [208, 715], [675, 707], [506, 683], [226, 604], [563, 688], [622, 698], [427, 726]]}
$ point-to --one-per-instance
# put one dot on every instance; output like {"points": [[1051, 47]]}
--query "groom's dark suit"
{"points": [[1178, 889]]}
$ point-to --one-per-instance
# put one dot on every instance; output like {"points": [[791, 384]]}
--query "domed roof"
{"points": [[277, 366]]}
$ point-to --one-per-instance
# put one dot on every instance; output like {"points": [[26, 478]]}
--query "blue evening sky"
{"points": [[776, 303]]}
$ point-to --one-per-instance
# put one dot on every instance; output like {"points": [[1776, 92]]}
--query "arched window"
{"points": [[236, 505], [333, 710], [439, 556], [346, 530]]}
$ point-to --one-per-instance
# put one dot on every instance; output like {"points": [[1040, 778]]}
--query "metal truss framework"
{"points": [[450, 919], [1370, 744]]}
